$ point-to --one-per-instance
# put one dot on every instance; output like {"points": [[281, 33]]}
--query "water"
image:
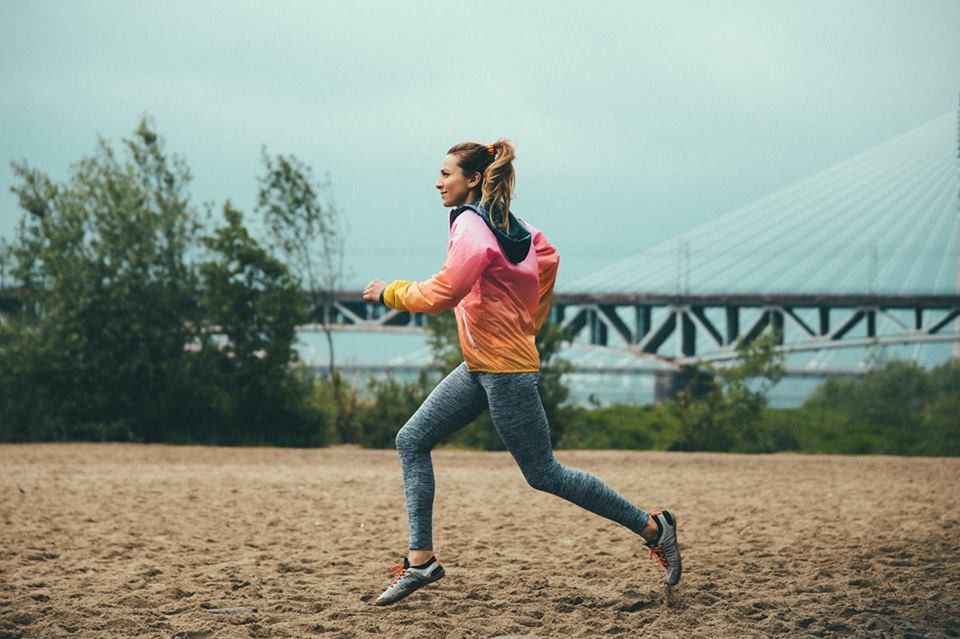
{"points": [[361, 356]]}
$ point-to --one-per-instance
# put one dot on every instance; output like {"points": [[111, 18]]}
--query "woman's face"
{"points": [[454, 186]]}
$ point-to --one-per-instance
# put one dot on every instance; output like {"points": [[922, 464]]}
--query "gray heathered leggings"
{"points": [[518, 416]]}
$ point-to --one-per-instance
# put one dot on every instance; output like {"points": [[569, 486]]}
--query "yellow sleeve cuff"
{"points": [[393, 293]]}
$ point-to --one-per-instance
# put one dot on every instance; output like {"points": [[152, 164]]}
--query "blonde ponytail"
{"points": [[498, 182]]}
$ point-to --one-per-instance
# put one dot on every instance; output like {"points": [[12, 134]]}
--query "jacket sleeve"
{"points": [[467, 257], [548, 261]]}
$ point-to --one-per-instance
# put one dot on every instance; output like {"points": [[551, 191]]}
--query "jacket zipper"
{"points": [[466, 327]]}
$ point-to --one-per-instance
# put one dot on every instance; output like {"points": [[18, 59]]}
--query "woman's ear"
{"points": [[474, 181]]}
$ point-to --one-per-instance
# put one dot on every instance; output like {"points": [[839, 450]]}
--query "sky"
{"points": [[633, 121]]}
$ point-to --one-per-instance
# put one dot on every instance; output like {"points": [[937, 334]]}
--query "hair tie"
{"points": [[490, 150]]}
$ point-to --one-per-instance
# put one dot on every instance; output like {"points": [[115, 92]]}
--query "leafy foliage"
{"points": [[106, 291], [392, 403], [305, 227], [726, 413], [110, 342], [897, 409], [251, 307], [617, 426]]}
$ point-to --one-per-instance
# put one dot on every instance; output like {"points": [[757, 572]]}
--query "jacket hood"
{"points": [[515, 243]]}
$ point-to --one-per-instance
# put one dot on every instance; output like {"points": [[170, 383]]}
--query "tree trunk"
{"points": [[344, 420]]}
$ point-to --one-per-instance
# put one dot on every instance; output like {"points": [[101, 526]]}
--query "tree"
{"points": [[721, 409], [6, 260], [899, 408], [251, 306], [310, 235], [101, 263], [119, 335], [942, 426]]}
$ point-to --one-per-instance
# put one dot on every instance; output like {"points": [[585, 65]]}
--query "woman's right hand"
{"points": [[372, 291]]}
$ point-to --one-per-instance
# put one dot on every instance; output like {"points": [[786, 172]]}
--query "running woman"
{"points": [[498, 276]]}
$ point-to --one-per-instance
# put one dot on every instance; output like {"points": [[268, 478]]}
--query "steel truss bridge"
{"points": [[662, 332], [669, 328], [672, 326]]}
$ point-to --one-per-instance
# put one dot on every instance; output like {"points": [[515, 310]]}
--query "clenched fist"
{"points": [[372, 292]]}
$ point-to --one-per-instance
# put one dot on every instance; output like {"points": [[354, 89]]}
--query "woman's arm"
{"points": [[467, 256]]}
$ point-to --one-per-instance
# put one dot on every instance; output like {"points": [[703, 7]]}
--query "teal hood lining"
{"points": [[515, 243]]}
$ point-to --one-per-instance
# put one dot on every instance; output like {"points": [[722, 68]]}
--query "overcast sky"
{"points": [[633, 121]]}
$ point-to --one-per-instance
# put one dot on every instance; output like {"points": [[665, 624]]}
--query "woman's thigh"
{"points": [[455, 402], [518, 415]]}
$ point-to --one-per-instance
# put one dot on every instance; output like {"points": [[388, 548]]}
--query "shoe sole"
{"points": [[676, 540], [673, 521], [439, 575]]}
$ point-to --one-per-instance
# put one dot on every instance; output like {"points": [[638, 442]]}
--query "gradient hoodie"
{"points": [[500, 285]]}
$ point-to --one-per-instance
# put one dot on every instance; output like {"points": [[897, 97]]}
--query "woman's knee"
{"points": [[545, 478], [409, 440]]}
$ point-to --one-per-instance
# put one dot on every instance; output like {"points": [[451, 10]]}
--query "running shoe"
{"points": [[665, 548], [409, 579]]}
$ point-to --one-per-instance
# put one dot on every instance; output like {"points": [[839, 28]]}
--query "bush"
{"points": [[619, 426], [722, 409], [898, 409], [381, 415]]}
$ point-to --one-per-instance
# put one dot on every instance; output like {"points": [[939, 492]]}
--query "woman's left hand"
{"points": [[372, 292]]}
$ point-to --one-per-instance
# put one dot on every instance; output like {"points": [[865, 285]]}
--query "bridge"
{"points": [[597, 317], [860, 256]]}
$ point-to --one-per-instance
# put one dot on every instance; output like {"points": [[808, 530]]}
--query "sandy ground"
{"points": [[187, 542]]}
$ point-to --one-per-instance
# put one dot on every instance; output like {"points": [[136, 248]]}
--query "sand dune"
{"points": [[114, 540]]}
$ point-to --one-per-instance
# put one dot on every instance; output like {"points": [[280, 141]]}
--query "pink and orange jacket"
{"points": [[500, 303]]}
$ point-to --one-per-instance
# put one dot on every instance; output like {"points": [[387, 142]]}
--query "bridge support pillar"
{"points": [[558, 311], [777, 318], [643, 322], [733, 324], [688, 344], [664, 385], [598, 329]]}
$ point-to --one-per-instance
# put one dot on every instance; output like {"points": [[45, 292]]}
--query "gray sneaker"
{"points": [[665, 549], [410, 579]]}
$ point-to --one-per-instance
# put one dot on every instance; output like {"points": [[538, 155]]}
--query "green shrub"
{"points": [[383, 413], [619, 426], [899, 409]]}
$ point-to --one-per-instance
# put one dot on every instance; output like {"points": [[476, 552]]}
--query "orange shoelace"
{"points": [[398, 572], [657, 553]]}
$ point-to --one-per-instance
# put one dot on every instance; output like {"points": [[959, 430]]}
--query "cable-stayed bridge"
{"points": [[861, 256]]}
